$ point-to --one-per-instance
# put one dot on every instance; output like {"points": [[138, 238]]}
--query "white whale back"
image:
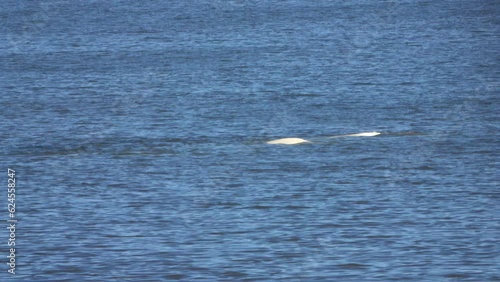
{"points": [[293, 141], [362, 134], [288, 141]]}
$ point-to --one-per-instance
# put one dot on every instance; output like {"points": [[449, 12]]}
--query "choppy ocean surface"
{"points": [[138, 130]]}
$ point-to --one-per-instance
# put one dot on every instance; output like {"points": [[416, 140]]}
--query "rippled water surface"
{"points": [[138, 129]]}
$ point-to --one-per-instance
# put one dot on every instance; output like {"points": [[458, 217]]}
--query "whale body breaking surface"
{"points": [[362, 134], [288, 141], [294, 141]]}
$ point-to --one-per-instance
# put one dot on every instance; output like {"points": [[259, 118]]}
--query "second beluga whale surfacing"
{"points": [[294, 141], [362, 134]]}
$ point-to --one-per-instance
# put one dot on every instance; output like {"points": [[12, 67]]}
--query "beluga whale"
{"points": [[294, 140], [288, 141], [362, 134]]}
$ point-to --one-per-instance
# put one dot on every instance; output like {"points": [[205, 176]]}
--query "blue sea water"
{"points": [[138, 129]]}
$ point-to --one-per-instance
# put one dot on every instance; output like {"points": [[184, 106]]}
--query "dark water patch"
{"points": [[352, 266]]}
